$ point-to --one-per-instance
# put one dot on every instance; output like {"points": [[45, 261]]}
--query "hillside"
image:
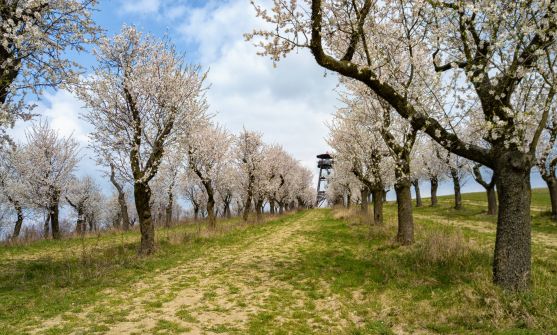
{"points": [[317, 271]]}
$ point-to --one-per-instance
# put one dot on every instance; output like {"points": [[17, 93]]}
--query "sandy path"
{"points": [[218, 290]]}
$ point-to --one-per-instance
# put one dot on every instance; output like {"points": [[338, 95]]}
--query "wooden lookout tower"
{"points": [[325, 165]]}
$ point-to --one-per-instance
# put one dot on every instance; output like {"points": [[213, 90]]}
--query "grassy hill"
{"points": [[318, 271]]}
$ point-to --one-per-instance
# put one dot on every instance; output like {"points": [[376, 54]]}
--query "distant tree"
{"points": [[248, 151], [85, 197], [141, 98], [118, 183], [192, 190], [208, 151], [365, 154], [12, 187], [489, 188], [46, 162]]}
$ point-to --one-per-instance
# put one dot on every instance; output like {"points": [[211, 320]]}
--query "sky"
{"points": [[289, 104]]}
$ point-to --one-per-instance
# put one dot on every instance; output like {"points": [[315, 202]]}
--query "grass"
{"points": [[318, 271]]}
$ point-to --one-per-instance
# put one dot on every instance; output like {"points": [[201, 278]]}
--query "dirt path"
{"points": [[214, 293]]}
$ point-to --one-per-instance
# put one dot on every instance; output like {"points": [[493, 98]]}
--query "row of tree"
{"points": [[478, 77], [151, 131]]}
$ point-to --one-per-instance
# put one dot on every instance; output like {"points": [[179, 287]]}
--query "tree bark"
{"points": [[434, 185], [46, 225], [489, 188], [456, 185], [377, 196], [551, 182], [247, 206], [19, 221], [416, 184], [272, 206], [142, 195], [78, 206], [258, 209], [405, 233], [211, 220], [121, 199], [364, 204], [491, 201], [54, 212], [169, 206], [348, 199], [226, 212], [512, 259]]}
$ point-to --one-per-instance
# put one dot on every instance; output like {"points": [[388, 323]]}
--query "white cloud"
{"points": [[61, 109], [288, 104]]}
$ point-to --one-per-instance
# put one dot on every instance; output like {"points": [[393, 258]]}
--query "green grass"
{"points": [[328, 275]]}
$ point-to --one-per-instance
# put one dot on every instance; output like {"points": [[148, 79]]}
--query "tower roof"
{"points": [[325, 156]]}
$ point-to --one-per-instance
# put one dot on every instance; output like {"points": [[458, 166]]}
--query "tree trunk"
{"points": [[211, 220], [46, 226], [378, 206], [247, 205], [169, 206], [195, 212], [551, 182], [121, 199], [80, 224], [416, 184], [227, 213], [258, 206], [456, 185], [54, 215], [116, 223], [19, 221], [434, 185], [364, 203], [272, 206], [492, 201], [385, 195], [348, 199], [124, 210], [142, 193], [405, 233], [512, 259], [281, 208]]}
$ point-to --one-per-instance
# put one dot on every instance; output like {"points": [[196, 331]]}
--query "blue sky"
{"points": [[288, 104]]}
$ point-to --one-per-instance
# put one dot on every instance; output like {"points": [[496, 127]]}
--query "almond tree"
{"points": [[208, 153], [227, 189], [36, 36], [12, 187], [366, 155], [85, 197], [119, 183], [164, 185], [457, 169], [46, 162], [342, 183], [433, 167], [141, 97], [493, 56], [280, 169], [190, 187], [489, 188], [249, 156], [399, 137]]}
